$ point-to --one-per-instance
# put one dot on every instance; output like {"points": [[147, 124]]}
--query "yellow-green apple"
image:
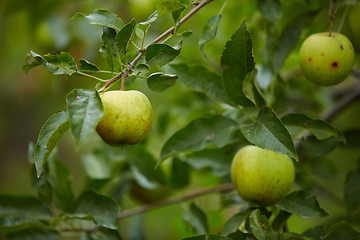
{"points": [[326, 60], [262, 176], [127, 117]]}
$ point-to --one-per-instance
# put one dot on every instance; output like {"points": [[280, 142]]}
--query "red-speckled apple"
{"points": [[127, 117], [326, 60], [262, 176]]}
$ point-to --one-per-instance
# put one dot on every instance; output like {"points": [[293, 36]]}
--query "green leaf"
{"points": [[41, 184], [233, 223], [201, 79], [85, 110], [161, 54], [34, 234], [168, 6], [49, 135], [103, 209], [97, 166], [320, 147], [60, 181], [237, 60], [198, 134], [87, 66], [269, 132], [260, 226], [341, 231], [180, 174], [207, 237], [197, 219], [280, 220], [32, 60], [103, 234], [10, 224], [320, 128], [352, 189], [143, 166], [271, 9], [285, 44], [239, 236], [159, 82], [110, 48], [55, 63], [124, 37], [102, 17], [23, 206], [209, 32], [302, 204]]}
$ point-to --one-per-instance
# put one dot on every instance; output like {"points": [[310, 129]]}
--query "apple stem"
{"points": [[123, 77], [332, 15]]}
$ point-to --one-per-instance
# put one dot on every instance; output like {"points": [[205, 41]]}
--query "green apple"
{"points": [[326, 60], [127, 117], [149, 195], [262, 176], [354, 23]]}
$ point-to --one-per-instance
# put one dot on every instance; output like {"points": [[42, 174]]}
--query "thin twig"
{"points": [[332, 15], [156, 40], [170, 201]]}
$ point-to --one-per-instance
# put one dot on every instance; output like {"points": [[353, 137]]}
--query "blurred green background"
{"points": [[27, 100]]}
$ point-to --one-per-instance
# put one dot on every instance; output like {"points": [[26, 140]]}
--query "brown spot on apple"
{"points": [[334, 65], [341, 46], [310, 59]]}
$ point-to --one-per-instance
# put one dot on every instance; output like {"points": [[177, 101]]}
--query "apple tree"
{"points": [[172, 104]]}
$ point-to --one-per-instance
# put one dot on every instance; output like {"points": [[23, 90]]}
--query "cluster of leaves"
{"points": [[207, 142]]}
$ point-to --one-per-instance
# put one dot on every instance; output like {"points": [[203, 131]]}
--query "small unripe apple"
{"points": [[262, 176], [354, 23], [326, 60], [127, 117]]}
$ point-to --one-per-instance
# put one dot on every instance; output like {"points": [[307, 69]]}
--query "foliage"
{"points": [[239, 85]]}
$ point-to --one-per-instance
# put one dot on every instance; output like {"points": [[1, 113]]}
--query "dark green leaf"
{"points": [[197, 219], [159, 82], [285, 44], [60, 181], [177, 13], [168, 6], [352, 189], [298, 121], [143, 165], [198, 134], [110, 48], [280, 220], [22, 206], [161, 54], [201, 79], [103, 234], [97, 166], [124, 37], [237, 60], [218, 159], [10, 224], [207, 237], [317, 232], [102, 17], [352, 138], [320, 147], [41, 184], [302, 204], [103, 209], [239, 236], [269, 132], [271, 9], [34, 234], [234, 223], [209, 32], [49, 135], [85, 110], [341, 231], [87, 66], [260, 226], [180, 174], [321, 167], [57, 64], [291, 236]]}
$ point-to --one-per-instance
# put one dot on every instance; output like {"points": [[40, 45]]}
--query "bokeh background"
{"points": [[27, 100]]}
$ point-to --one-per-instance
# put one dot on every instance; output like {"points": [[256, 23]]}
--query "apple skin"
{"points": [[262, 176], [127, 117], [326, 60]]}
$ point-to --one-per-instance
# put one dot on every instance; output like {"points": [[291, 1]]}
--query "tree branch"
{"points": [[170, 201], [171, 30]]}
